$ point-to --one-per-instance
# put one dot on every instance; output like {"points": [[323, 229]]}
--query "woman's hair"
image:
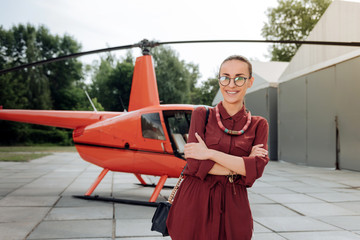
{"points": [[239, 58]]}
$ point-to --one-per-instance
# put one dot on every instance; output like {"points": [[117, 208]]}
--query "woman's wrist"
{"points": [[211, 154]]}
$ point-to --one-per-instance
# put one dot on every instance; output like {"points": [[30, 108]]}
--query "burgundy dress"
{"points": [[208, 206]]}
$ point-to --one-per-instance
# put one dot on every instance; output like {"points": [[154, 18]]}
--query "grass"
{"points": [[27, 153]]}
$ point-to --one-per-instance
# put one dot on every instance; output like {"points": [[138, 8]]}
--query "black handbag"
{"points": [[163, 209]]}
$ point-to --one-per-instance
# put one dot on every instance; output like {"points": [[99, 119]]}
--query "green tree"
{"points": [[51, 86], [111, 82], [175, 78], [291, 20], [112, 78], [206, 92]]}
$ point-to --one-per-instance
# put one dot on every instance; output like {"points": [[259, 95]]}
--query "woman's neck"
{"points": [[232, 108]]}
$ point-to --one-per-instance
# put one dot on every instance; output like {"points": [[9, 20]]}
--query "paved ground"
{"points": [[289, 202]]}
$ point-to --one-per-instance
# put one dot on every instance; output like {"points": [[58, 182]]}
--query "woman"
{"points": [[224, 158]]}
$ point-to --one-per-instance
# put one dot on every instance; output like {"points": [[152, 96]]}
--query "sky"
{"points": [[110, 23]]}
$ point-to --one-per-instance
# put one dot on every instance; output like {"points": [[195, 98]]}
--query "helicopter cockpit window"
{"points": [[151, 126], [178, 123]]}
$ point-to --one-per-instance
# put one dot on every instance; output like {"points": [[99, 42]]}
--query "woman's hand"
{"points": [[258, 151], [198, 150]]}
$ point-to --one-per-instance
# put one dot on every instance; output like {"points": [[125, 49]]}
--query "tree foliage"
{"points": [[51, 86], [291, 20], [175, 78], [206, 92], [111, 82]]}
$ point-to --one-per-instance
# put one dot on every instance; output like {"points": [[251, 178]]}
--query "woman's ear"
{"points": [[250, 82]]}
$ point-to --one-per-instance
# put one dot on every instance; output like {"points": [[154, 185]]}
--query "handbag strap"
{"points": [[173, 192]]}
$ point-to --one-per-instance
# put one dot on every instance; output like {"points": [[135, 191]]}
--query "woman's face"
{"points": [[232, 93]]}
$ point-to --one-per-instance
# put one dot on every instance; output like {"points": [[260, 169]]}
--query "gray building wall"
{"points": [[263, 103], [348, 111], [307, 109]]}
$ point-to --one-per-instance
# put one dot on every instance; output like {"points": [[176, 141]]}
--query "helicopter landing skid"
{"points": [[154, 185], [117, 200]]}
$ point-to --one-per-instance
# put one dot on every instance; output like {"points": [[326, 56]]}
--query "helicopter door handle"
{"points": [[162, 145]]}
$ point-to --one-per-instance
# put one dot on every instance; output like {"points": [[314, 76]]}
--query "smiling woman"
{"points": [[225, 157]]}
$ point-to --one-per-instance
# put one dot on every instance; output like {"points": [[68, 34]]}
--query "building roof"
{"points": [[338, 23]]}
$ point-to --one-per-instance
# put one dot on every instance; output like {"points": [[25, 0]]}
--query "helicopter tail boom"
{"points": [[63, 119]]}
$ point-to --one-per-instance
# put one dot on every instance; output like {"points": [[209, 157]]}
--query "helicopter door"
{"points": [[177, 124]]}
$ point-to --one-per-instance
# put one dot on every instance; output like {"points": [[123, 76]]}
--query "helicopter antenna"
{"points": [[92, 104], [122, 104]]}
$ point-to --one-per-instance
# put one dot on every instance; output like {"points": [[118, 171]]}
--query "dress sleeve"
{"points": [[255, 166], [198, 168]]}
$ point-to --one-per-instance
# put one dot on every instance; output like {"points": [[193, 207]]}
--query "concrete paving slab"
{"points": [[336, 197], [78, 213], [123, 211], [292, 198], [331, 235], [268, 178], [34, 191], [73, 229], [16, 180], [297, 223], [351, 223], [15, 230], [22, 214], [267, 236], [257, 198], [321, 183], [5, 191], [258, 228], [261, 190], [135, 228], [28, 201], [319, 209], [289, 184], [69, 201], [271, 210], [294, 224], [312, 189], [351, 206]]}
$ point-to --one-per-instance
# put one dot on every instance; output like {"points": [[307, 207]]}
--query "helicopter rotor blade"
{"points": [[61, 58], [145, 45], [330, 43]]}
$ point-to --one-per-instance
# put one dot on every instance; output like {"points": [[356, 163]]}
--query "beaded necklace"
{"points": [[232, 132]]}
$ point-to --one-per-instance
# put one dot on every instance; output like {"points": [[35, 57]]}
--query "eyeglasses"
{"points": [[239, 81]]}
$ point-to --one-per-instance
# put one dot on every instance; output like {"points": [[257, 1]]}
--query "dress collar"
{"points": [[238, 116]]}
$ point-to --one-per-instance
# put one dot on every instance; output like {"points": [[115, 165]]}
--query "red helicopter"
{"points": [[149, 139]]}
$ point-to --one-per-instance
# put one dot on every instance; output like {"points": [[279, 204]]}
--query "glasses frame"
{"points": [[234, 80]]}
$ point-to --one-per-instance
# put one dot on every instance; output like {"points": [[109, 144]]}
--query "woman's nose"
{"points": [[232, 83]]}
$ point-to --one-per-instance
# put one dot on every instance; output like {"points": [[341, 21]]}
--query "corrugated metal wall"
{"points": [[307, 108]]}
